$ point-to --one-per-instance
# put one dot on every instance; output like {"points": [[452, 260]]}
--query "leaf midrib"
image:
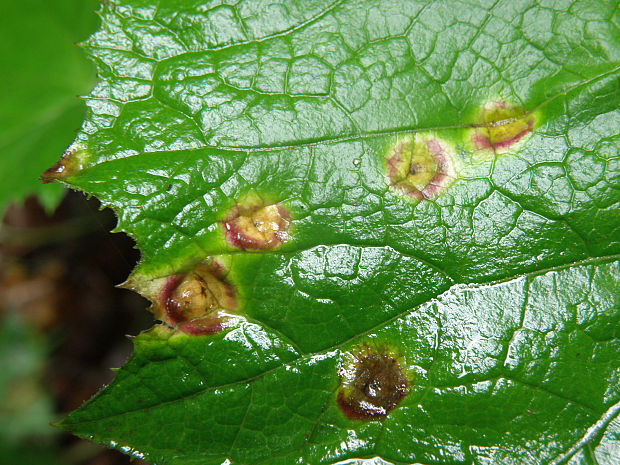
{"points": [[347, 138]]}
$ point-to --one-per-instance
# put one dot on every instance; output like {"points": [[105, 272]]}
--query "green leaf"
{"points": [[26, 407], [42, 72], [371, 229]]}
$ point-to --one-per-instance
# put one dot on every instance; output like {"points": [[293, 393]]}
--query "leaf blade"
{"points": [[181, 135]]}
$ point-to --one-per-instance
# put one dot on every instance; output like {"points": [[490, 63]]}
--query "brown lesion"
{"points": [[256, 225], [67, 165], [196, 302], [373, 382], [501, 126], [420, 166]]}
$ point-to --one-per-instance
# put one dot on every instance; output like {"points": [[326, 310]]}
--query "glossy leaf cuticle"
{"points": [[494, 276]]}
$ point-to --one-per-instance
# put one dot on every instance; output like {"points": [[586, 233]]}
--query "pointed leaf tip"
{"points": [[68, 164]]}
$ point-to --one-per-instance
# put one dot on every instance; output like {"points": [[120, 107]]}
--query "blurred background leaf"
{"points": [[43, 72], [24, 404]]}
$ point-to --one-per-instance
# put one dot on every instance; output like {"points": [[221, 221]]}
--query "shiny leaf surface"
{"points": [[371, 230]]}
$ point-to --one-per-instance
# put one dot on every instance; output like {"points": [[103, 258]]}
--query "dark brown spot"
{"points": [[372, 385]]}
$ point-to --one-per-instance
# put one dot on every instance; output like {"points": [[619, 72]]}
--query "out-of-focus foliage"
{"points": [[25, 406], [42, 74]]}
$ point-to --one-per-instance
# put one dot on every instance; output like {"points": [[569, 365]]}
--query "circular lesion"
{"points": [[257, 225], [373, 382], [420, 166], [198, 301]]}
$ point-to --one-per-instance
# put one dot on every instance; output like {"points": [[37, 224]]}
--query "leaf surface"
{"points": [[427, 188]]}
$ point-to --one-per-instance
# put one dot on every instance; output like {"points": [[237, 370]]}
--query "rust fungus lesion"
{"points": [[68, 164], [500, 125], [255, 224], [373, 381], [197, 302], [420, 166]]}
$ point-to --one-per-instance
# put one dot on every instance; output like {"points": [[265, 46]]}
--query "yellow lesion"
{"points": [[200, 293], [199, 300], [501, 126], [256, 224], [69, 163], [420, 166], [416, 166], [260, 224]]}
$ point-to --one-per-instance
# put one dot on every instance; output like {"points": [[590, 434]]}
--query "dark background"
{"points": [[63, 325]]}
